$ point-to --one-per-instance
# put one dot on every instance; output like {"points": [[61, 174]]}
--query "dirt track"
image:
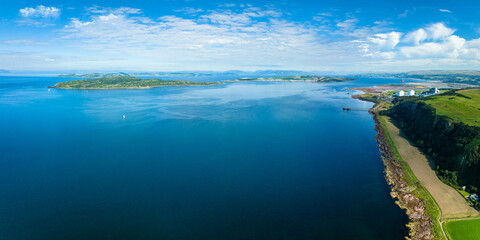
{"points": [[451, 203]]}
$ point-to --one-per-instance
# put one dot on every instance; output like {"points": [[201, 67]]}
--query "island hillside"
{"points": [[310, 78], [126, 82]]}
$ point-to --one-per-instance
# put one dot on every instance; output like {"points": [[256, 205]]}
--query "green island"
{"points": [[310, 78], [431, 149], [126, 82]]}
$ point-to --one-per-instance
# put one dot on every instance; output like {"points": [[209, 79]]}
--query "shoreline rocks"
{"points": [[420, 224]]}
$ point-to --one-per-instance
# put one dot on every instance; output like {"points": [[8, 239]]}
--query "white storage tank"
{"points": [[400, 93], [411, 93]]}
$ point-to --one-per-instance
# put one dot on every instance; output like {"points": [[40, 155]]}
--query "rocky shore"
{"points": [[420, 224]]}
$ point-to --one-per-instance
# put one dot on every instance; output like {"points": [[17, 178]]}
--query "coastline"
{"points": [[400, 179], [148, 87], [429, 201], [409, 194]]}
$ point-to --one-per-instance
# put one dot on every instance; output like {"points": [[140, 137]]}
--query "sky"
{"points": [[195, 35]]}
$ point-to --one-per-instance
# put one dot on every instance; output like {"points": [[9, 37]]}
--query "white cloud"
{"points": [[228, 18], [404, 14], [417, 36], [380, 45], [436, 31], [386, 40], [240, 38], [40, 11], [252, 35], [435, 41], [451, 47], [189, 10], [121, 10], [228, 5], [348, 24], [439, 31], [24, 41], [108, 17], [351, 27], [247, 16]]}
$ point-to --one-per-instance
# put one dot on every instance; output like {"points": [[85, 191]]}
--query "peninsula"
{"points": [[430, 147], [126, 82], [305, 78]]}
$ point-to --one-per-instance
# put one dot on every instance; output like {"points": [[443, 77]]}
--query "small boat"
{"points": [[403, 80], [123, 116]]}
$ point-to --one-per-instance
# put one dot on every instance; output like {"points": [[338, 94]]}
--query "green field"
{"points": [[124, 82], [463, 229], [460, 106]]}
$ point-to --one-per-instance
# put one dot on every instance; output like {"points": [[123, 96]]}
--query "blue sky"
{"points": [[169, 35]]}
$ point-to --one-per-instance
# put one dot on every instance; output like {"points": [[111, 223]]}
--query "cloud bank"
{"points": [[435, 41], [237, 37]]}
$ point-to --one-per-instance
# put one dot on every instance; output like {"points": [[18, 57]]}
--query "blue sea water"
{"points": [[243, 160]]}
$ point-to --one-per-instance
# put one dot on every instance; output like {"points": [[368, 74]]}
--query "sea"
{"points": [[241, 160]]}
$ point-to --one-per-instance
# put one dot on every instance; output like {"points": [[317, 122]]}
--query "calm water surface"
{"points": [[235, 161]]}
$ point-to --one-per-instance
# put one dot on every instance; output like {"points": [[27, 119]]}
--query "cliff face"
{"points": [[455, 147]]}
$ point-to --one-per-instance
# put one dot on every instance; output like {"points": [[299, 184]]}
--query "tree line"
{"points": [[454, 147]]}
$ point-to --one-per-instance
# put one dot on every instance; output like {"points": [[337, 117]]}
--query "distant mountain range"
{"points": [[188, 74], [94, 75], [454, 76], [3, 71]]}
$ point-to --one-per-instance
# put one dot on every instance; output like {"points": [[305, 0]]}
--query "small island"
{"points": [[305, 78], [126, 82]]}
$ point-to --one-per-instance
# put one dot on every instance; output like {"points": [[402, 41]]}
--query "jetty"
{"points": [[354, 109]]}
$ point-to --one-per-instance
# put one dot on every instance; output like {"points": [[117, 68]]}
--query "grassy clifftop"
{"points": [[460, 106], [126, 82]]}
